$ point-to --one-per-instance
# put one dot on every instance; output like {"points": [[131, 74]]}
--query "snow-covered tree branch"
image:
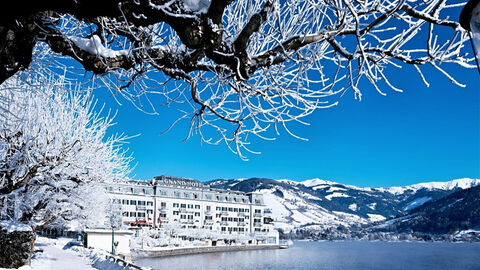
{"points": [[55, 154], [244, 67]]}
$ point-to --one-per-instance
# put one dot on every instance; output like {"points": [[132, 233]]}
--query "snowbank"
{"points": [[10, 226]]}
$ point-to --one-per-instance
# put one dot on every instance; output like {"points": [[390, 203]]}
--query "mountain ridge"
{"points": [[320, 205]]}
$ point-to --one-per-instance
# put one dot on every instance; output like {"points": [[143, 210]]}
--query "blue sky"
{"points": [[423, 134]]}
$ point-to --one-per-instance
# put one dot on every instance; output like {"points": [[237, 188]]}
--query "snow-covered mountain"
{"points": [[321, 205]]}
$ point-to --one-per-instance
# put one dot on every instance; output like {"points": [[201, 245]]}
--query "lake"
{"points": [[334, 256]]}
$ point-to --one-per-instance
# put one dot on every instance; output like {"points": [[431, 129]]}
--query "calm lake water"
{"points": [[334, 256]]}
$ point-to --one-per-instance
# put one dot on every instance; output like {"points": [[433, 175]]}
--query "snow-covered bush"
{"points": [[54, 154], [172, 235]]}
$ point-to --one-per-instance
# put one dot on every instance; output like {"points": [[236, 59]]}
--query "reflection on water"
{"points": [[334, 256]]}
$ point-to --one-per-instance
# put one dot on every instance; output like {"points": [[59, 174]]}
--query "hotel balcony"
{"points": [[224, 213], [208, 213], [183, 210], [241, 224], [208, 222], [257, 214], [141, 207], [223, 223], [163, 210], [257, 224], [241, 214]]}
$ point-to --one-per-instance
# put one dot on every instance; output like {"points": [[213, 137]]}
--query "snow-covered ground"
{"points": [[54, 256], [57, 254]]}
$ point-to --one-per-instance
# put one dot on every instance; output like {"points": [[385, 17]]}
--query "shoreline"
{"points": [[178, 251]]}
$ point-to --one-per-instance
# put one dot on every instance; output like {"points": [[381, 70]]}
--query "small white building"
{"points": [[104, 239]]}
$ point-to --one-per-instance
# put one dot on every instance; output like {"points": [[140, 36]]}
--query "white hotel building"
{"points": [[192, 204]]}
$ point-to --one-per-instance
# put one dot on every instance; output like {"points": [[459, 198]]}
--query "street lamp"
{"points": [[470, 21]]}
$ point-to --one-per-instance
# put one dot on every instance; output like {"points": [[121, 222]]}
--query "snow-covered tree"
{"points": [[244, 67], [55, 154]]}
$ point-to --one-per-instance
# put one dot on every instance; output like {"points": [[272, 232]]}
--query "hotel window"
{"points": [[197, 214], [218, 198], [133, 202], [218, 208], [209, 208], [164, 193], [190, 216], [176, 194], [175, 213], [235, 199], [183, 216], [143, 191], [195, 196], [149, 203], [125, 202], [125, 214], [197, 206], [223, 229], [141, 202], [230, 209], [141, 214], [131, 190], [163, 204], [235, 209], [190, 206], [149, 211], [133, 214], [175, 205], [186, 195], [183, 205]]}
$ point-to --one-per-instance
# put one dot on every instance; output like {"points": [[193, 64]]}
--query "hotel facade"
{"points": [[191, 204]]}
